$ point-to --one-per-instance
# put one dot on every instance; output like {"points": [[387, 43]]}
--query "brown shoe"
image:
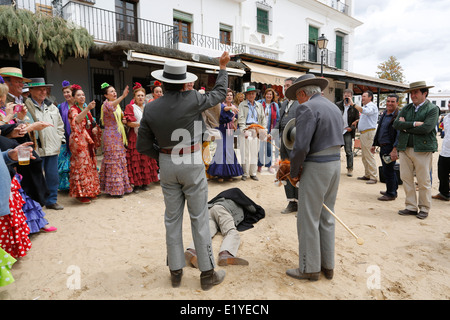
{"points": [[295, 273], [190, 256], [386, 198], [210, 278], [175, 277], [440, 197], [372, 181], [225, 259], [363, 178], [407, 212], [328, 273]]}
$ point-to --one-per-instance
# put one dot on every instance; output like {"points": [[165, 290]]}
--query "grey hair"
{"points": [[310, 90]]}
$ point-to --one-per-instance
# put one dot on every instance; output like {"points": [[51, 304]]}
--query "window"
{"points": [[262, 17], [225, 34], [312, 43], [443, 104], [182, 26], [126, 20], [339, 51]]}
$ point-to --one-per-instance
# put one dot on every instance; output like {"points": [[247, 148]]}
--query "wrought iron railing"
{"points": [[200, 40], [310, 53]]}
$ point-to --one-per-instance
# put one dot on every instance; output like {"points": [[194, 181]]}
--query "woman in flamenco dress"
{"points": [[142, 170]]}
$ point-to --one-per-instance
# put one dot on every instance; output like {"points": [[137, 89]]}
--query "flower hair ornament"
{"points": [[104, 85], [65, 84], [2, 81], [76, 87], [157, 83], [137, 85]]}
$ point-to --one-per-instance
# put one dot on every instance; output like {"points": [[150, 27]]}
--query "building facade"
{"points": [[269, 40]]}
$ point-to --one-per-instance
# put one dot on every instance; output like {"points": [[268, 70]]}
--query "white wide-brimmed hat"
{"points": [[174, 72], [303, 81]]}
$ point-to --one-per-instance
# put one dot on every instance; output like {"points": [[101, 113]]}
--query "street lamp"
{"points": [[322, 43]]}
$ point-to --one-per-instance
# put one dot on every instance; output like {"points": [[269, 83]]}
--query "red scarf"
{"points": [[273, 113]]}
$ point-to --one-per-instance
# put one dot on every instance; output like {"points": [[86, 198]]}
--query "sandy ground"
{"points": [[115, 249]]}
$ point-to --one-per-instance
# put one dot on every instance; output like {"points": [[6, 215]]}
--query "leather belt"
{"points": [[180, 151], [367, 130]]}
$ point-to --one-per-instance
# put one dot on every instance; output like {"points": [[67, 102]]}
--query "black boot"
{"points": [[175, 277], [291, 207], [210, 278]]}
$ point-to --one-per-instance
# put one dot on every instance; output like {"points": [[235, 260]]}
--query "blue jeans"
{"points": [[50, 167], [389, 172]]}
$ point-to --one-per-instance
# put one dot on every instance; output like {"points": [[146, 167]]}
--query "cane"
{"points": [[359, 240]]}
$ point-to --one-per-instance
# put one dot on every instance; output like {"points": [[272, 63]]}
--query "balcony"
{"points": [[310, 53], [108, 26], [338, 5]]}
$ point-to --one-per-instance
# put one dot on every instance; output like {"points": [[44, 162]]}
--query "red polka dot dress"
{"points": [[13, 227]]}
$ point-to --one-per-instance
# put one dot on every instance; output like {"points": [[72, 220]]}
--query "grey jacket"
{"points": [[177, 110], [319, 126]]}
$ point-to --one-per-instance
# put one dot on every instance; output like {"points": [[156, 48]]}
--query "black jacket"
{"points": [[250, 216], [352, 116]]}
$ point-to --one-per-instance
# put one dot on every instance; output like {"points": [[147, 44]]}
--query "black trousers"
{"points": [[443, 175]]}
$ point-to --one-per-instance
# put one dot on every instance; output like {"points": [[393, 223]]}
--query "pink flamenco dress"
{"points": [[142, 170], [84, 180], [14, 230], [114, 178]]}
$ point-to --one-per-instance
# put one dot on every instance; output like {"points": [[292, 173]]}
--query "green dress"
{"points": [[6, 262]]}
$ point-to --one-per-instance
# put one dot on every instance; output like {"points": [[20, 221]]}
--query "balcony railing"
{"points": [[310, 53], [200, 40], [50, 7], [338, 5], [109, 26]]}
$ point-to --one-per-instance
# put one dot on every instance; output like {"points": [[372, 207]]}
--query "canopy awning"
{"points": [[270, 75], [149, 58]]}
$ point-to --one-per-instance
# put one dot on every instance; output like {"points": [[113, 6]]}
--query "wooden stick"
{"points": [[359, 240]]}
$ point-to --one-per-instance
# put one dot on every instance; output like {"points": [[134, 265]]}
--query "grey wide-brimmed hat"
{"points": [[38, 82], [303, 81], [174, 72], [417, 85]]}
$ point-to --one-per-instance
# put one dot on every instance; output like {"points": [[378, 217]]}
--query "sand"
{"points": [[114, 249]]}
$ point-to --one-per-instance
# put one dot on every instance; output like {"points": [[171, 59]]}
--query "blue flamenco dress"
{"points": [[32, 210], [224, 163]]}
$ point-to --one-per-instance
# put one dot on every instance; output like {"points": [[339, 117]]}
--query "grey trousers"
{"points": [[316, 226], [221, 220], [180, 183]]}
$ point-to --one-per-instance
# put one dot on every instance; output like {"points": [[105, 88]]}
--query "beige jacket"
{"points": [[243, 114], [50, 138]]}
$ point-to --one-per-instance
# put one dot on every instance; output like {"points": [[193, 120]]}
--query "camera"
{"points": [[346, 100], [18, 108]]}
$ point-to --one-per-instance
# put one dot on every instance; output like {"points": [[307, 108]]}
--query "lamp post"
{"points": [[322, 43]]}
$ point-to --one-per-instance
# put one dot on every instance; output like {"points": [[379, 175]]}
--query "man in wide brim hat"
{"points": [[418, 85], [251, 89], [8, 72], [38, 82], [171, 130], [303, 81]]}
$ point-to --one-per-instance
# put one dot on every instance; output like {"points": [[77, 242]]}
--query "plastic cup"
{"points": [[24, 156]]}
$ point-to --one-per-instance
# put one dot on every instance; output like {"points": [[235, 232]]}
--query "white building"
{"points": [[441, 99], [269, 40]]}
